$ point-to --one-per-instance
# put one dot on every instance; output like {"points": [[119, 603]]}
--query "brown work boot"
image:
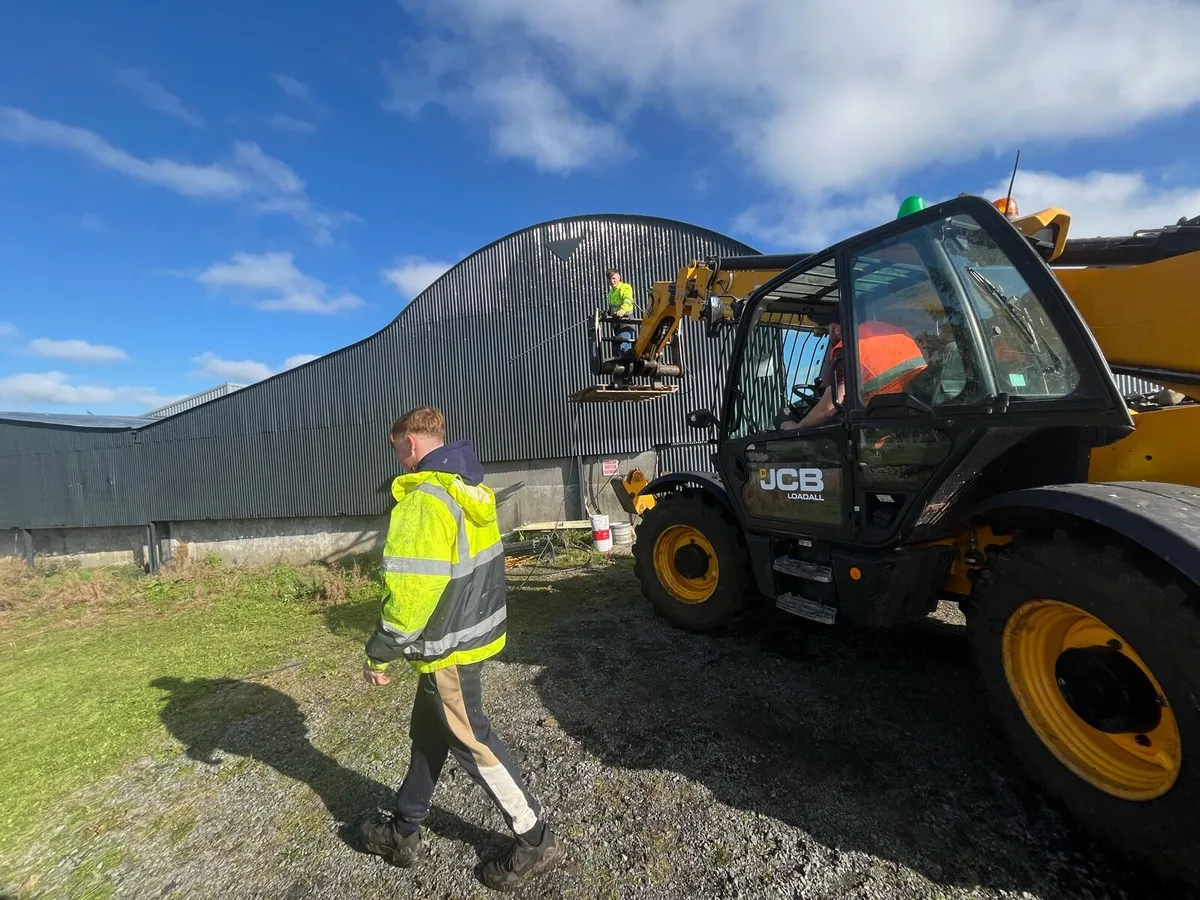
{"points": [[523, 862], [383, 838]]}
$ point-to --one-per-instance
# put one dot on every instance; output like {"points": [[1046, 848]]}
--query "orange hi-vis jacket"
{"points": [[888, 358]]}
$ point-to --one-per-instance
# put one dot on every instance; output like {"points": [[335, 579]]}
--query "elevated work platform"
{"points": [[633, 393]]}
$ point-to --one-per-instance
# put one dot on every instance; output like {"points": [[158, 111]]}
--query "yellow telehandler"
{"points": [[927, 411]]}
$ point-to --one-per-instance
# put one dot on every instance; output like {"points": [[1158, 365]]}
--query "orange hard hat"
{"points": [[1007, 205]]}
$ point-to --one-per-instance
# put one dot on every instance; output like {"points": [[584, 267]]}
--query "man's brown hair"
{"points": [[424, 420], [613, 272]]}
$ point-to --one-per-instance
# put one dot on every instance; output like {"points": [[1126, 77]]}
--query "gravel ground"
{"points": [[789, 761]]}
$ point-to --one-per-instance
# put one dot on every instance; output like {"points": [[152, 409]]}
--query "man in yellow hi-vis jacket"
{"points": [[620, 304], [444, 612]]}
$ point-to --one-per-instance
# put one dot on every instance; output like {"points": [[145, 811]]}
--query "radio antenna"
{"points": [[1008, 199]]}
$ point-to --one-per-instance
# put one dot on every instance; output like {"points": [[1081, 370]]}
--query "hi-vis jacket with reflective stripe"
{"points": [[444, 568]]}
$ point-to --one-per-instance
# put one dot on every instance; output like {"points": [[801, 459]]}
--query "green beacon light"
{"points": [[911, 204]]}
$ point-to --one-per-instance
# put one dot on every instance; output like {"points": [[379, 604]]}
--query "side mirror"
{"points": [[701, 418]]}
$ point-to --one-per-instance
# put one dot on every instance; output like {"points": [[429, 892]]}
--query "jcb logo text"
{"points": [[801, 484]]}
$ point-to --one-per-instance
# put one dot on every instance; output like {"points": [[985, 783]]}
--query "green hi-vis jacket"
{"points": [[620, 299], [443, 564]]}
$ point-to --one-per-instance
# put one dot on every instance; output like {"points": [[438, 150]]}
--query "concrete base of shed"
{"points": [[549, 490]]}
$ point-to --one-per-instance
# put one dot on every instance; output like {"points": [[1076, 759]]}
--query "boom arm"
{"points": [[708, 290]]}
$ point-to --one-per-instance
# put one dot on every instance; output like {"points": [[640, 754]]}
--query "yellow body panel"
{"points": [[1164, 447], [1144, 316]]}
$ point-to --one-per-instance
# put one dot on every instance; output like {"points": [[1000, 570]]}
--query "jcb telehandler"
{"points": [[984, 453]]}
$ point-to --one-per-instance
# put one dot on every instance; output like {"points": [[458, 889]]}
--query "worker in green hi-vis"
{"points": [[620, 304]]}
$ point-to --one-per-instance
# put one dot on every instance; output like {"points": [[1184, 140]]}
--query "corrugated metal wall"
{"points": [[52, 476], [1129, 385], [685, 458], [498, 342]]}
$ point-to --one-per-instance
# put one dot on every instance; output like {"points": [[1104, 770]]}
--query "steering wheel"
{"points": [[808, 397]]}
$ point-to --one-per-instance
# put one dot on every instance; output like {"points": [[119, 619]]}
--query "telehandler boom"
{"points": [[978, 450]]}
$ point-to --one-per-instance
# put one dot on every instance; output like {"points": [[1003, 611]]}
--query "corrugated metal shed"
{"points": [[498, 342]]}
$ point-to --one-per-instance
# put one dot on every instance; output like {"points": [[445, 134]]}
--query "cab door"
{"points": [[787, 481]]}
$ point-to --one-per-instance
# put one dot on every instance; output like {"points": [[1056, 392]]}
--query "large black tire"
{"points": [[1152, 608], [728, 599]]}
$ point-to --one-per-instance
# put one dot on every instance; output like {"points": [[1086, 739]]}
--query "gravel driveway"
{"points": [[788, 761]]}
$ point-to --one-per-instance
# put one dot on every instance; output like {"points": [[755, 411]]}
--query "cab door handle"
{"points": [[740, 468]]}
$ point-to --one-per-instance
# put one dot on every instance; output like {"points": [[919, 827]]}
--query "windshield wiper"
{"points": [[1018, 314]]}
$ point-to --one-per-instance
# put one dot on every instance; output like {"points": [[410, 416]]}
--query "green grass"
{"points": [[81, 651]]}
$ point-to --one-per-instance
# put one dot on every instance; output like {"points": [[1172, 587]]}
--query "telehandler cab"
{"points": [[960, 463]]}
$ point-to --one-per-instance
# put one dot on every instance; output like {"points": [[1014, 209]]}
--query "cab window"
{"points": [[1028, 353], [785, 351], [916, 296], [910, 326]]}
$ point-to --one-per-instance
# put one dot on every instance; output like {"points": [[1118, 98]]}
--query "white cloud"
{"points": [[530, 117], [242, 370], [276, 273], [76, 351], [93, 223], [290, 123], [269, 184], [212, 181], [809, 226], [8, 331], [54, 389], [155, 96], [310, 303], [819, 97], [535, 121], [266, 271], [1103, 204], [291, 86], [209, 365], [412, 274]]}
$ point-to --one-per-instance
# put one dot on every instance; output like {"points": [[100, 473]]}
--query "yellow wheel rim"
{"points": [[1091, 700], [686, 564]]}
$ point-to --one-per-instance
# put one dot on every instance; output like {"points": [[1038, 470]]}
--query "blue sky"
{"points": [[196, 193]]}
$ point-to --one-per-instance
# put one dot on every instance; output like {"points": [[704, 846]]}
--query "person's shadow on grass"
{"points": [[261, 723]]}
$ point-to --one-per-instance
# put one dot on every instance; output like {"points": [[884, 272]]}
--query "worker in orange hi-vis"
{"points": [[888, 359]]}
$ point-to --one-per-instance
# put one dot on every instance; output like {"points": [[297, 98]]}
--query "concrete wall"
{"points": [[526, 493], [115, 546], [267, 541]]}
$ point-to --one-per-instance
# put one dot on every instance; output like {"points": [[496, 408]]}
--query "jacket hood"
{"points": [[455, 458], [457, 469]]}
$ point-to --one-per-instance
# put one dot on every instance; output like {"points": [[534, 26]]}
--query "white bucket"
{"points": [[601, 534], [622, 537]]}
